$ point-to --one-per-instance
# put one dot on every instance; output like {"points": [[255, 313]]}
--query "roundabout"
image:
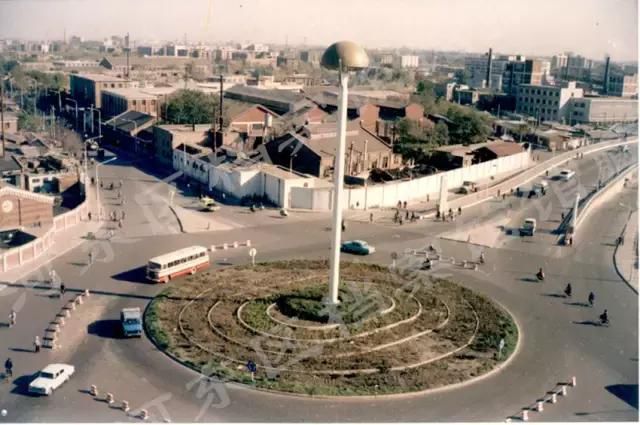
{"points": [[392, 332]]}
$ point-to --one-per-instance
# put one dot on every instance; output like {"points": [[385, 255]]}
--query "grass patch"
{"points": [[294, 287]]}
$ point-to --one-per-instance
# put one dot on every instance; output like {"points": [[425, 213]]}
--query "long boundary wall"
{"points": [[21, 255]]}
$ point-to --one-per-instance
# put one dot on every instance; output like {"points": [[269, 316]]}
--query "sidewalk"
{"points": [[65, 240], [626, 255]]}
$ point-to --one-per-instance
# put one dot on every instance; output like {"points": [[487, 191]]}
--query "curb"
{"points": [[177, 219], [615, 263]]}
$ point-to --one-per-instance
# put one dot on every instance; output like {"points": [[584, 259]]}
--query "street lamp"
{"points": [[76, 105], [343, 56], [99, 120]]}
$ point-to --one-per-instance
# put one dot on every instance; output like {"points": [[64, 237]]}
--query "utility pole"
{"points": [[126, 49], [2, 114]]}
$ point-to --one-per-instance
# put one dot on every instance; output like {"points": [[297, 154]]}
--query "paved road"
{"points": [[557, 342]]}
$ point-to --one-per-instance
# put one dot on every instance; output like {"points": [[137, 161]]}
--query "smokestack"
{"points": [[489, 63], [605, 83]]}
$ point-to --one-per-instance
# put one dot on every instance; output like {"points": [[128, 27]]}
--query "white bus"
{"points": [[183, 261]]}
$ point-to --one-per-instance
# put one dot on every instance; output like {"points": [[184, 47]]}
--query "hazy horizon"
{"points": [[591, 28]]}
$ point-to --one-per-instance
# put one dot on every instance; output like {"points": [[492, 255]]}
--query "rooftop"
{"points": [[284, 96], [125, 121], [99, 78], [131, 93]]}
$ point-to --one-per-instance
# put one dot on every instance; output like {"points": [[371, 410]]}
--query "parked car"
{"points": [[566, 175], [528, 227], [131, 320], [50, 378], [357, 247]]}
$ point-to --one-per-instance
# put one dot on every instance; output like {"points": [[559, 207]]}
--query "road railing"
{"points": [[596, 198], [525, 177]]}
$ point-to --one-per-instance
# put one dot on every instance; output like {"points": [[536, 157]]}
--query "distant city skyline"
{"points": [[592, 28]]}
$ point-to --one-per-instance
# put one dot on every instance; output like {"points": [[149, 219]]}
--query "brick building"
{"points": [[23, 208], [117, 101], [86, 89]]}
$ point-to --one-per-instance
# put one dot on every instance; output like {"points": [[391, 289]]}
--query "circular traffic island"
{"points": [[392, 332]]}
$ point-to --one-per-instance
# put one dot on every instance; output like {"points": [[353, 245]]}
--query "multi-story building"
{"points": [[601, 110], [517, 73], [116, 101], [546, 103], [409, 61], [559, 61], [477, 68], [145, 50], [622, 85], [86, 89]]}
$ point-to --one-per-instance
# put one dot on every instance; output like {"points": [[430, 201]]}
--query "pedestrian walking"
{"points": [[62, 289], [36, 344], [89, 215], [406, 216], [343, 226], [405, 205], [120, 224], [12, 318], [8, 368], [562, 215], [370, 217], [101, 185], [122, 214], [90, 257], [504, 196], [459, 210]]}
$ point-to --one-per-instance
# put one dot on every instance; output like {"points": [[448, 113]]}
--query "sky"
{"points": [[592, 28]]}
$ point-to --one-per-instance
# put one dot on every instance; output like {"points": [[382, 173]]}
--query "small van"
{"points": [[131, 320], [528, 227]]}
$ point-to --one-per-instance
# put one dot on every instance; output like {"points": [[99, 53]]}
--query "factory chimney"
{"points": [[489, 64]]}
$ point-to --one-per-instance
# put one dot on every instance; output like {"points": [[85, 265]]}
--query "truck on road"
{"points": [[131, 320], [528, 227]]}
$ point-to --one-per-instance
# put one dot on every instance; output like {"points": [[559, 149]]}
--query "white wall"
{"points": [[388, 194]]}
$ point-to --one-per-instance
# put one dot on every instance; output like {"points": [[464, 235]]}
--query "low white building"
{"points": [[602, 110], [240, 177]]}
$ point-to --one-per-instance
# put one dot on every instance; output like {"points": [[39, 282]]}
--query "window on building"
{"points": [[144, 102], [113, 85], [133, 102]]}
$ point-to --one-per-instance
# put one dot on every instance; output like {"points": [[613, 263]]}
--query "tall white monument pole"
{"points": [[338, 171]]}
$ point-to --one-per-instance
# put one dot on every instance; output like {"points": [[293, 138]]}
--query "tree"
{"points": [[192, 107], [441, 134], [29, 122], [468, 126]]}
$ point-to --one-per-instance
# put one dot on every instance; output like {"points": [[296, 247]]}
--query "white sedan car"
{"points": [[50, 378], [566, 175]]}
